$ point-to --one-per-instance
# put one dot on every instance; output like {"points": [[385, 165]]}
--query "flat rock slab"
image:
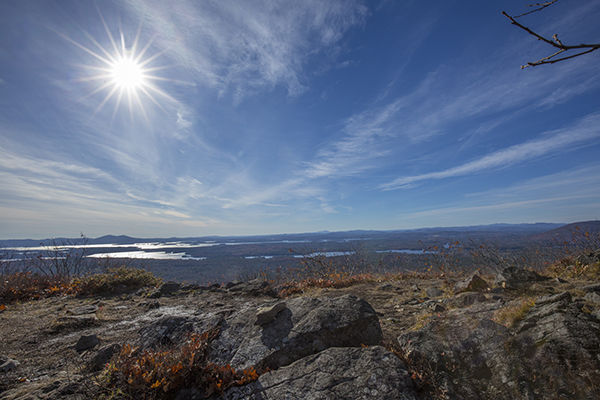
{"points": [[82, 310], [61, 386], [335, 373], [514, 277], [306, 326]]}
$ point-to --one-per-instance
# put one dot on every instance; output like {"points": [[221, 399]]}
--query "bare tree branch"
{"points": [[540, 5], [555, 42]]}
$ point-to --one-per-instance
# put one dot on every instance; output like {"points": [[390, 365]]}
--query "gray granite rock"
{"points": [[514, 277], [473, 283], [103, 356], [306, 326], [267, 314], [86, 342], [468, 299], [83, 310], [7, 364], [434, 292], [335, 373], [554, 352], [593, 297]]}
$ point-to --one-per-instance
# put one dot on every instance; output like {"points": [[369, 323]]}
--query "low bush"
{"points": [[23, 286], [117, 279], [570, 268], [161, 374]]}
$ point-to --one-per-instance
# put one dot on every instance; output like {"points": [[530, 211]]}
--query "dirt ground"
{"points": [[42, 334]]}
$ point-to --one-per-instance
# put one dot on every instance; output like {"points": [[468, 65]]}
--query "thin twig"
{"points": [[540, 5], [555, 42]]}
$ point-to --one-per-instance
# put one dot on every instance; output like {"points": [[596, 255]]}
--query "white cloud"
{"points": [[587, 129], [239, 47], [562, 197]]}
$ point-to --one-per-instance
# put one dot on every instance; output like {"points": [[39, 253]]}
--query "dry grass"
{"points": [[25, 286], [510, 315], [569, 268], [161, 374]]}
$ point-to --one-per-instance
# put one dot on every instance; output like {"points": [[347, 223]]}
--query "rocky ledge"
{"points": [[443, 339]]}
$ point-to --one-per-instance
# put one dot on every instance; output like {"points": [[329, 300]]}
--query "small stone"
{"points": [[386, 286], [593, 297], [264, 315], [86, 342], [7, 364], [434, 292], [104, 355], [438, 308]]}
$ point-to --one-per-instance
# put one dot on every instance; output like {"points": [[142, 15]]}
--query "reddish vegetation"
{"points": [[156, 374]]}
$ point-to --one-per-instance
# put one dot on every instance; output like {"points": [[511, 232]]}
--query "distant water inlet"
{"points": [[148, 255]]}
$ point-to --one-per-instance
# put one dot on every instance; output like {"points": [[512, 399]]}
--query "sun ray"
{"points": [[124, 71], [108, 96], [110, 56], [117, 104], [141, 54], [143, 89]]}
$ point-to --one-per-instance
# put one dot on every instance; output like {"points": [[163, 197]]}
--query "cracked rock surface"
{"points": [[335, 373]]}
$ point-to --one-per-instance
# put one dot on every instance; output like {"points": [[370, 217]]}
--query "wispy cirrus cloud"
{"points": [[240, 47], [587, 129], [391, 128], [569, 194]]}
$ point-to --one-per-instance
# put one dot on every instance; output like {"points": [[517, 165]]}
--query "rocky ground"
{"points": [[324, 343]]}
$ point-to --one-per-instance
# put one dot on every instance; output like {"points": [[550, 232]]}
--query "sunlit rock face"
{"points": [[305, 326], [553, 352]]}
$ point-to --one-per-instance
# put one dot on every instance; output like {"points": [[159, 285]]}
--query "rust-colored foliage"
{"points": [[27, 286], [23, 286], [160, 374]]}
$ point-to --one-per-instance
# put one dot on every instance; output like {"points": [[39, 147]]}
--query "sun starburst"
{"points": [[123, 72]]}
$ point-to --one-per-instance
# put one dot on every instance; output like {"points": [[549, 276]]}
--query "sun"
{"points": [[127, 74], [123, 72]]}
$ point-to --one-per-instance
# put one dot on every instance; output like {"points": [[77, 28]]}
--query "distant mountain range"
{"points": [[566, 232], [537, 229]]}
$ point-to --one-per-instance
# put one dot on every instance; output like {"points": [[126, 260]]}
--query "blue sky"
{"points": [[258, 117]]}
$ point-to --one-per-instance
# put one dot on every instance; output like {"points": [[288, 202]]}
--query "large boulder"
{"points": [[554, 352], [175, 327], [473, 283], [305, 326], [335, 373], [515, 277]]}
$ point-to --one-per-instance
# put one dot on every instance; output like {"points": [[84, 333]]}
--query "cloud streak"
{"points": [[241, 47], [586, 130]]}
